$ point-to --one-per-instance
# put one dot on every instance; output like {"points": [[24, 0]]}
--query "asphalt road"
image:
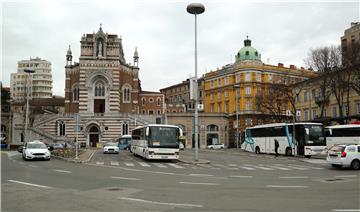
{"points": [[233, 181]]}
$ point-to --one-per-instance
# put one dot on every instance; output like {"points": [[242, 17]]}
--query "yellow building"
{"points": [[258, 88]]}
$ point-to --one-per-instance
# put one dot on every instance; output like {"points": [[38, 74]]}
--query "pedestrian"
{"points": [[276, 142]]}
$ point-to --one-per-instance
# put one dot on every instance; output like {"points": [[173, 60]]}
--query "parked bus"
{"points": [[342, 134], [124, 142], [309, 139], [156, 141]]}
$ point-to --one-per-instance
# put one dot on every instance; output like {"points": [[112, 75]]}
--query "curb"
{"points": [[74, 160], [195, 162]]}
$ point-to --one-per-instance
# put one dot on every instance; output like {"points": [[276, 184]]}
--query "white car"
{"points": [[216, 146], [35, 150], [344, 155], [111, 148]]}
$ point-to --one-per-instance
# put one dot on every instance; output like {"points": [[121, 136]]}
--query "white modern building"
{"points": [[40, 84]]}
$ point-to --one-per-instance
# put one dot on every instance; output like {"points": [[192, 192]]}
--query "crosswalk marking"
{"points": [[99, 163], [278, 166], [175, 166], [144, 164], [159, 165], [259, 167], [129, 164], [247, 168], [294, 166], [114, 163]]}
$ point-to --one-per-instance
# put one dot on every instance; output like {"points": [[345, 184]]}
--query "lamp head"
{"points": [[195, 8]]}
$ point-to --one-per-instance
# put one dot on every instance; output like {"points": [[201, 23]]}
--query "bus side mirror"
{"points": [[307, 131], [147, 132]]}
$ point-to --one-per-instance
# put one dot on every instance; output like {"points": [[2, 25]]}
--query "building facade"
{"points": [[350, 37], [40, 83], [178, 98], [254, 91]]}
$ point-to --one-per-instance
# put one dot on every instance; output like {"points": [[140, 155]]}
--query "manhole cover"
{"points": [[114, 189]]}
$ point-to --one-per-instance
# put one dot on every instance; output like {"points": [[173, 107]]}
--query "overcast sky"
{"points": [[163, 32]]}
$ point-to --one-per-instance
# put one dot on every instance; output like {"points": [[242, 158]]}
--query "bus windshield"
{"points": [[314, 135], [163, 137]]}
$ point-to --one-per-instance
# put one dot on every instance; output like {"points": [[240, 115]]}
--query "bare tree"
{"points": [[325, 60]]}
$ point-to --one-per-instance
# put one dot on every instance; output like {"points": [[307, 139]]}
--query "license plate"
{"points": [[38, 156], [164, 157]]}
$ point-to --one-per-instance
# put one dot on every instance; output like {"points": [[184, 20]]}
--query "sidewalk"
{"points": [[190, 159], [82, 158]]}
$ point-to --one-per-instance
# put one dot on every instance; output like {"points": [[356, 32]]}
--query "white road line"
{"points": [[99, 163], [159, 165], [124, 178], [233, 168], [281, 186], [161, 203], [114, 163], [247, 168], [29, 184], [259, 167], [294, 177], [347, 176], [129, 164], [33, 166], [175, 166], [63, 171], [238, 176], [144, 164], [298, 167], [276, 166], [191, 183], [232, 164], [201, 175], [345, 210]]}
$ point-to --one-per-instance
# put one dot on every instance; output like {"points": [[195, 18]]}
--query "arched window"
{"points": [[158, 101], [60, 128], [76, 93], [143, 101], [212, 128], [126, 94], [125, 129], [99, 89], [143, 111]]}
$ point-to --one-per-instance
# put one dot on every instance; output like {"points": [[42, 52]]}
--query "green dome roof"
{"points": [[247, 52]]}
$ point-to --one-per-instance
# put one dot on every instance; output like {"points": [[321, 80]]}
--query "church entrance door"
{"points": [[93, 136]]}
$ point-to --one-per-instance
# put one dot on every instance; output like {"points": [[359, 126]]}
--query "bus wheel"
{"points": [[355, 164], [288, 151], [308, 156], [257, 150]]}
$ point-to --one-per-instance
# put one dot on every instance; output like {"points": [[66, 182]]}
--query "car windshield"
{"points": [[36, 146], [124, 140], [111, 144]]}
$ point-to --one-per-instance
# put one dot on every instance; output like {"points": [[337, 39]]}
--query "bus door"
{"points": [[300, 138]]}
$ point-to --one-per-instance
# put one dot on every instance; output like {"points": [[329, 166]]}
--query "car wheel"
{"points": [[336, 165], [355, 164]]}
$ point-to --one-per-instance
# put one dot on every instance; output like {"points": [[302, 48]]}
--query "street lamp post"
{"points": [[27, 103], [237, 115], [196, 9]]}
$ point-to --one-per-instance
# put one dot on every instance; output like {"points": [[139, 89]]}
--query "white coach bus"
{"points": [[342, 134], [309, 138], [156, 141]]}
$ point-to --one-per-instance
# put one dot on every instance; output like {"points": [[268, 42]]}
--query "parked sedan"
{"points": [[111, 148], [35, 150], [344, 155], [216, 146]]}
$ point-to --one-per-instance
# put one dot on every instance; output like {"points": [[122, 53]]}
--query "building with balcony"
{"points": [[40, 83], [257, 92]]}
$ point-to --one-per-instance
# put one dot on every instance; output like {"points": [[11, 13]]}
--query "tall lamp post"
{"points": [[237, 114], [196, 9], [29, 71]]}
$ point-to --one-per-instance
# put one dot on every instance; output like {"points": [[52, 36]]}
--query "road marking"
{"points": [[114, 163], [298, 167], [144, 164], [247, 168], [99, 163], [129, 164], [124, 178], [29, 184], [281, 186], [346, 176], [233, 168], [232, 164], [345, 210], [201, 175], [278, 166], [175, 166], [33, 166], [159, 165], [63, 171], [238, 176], [191, 183], [161, 203], [259, 167], [294, 177]]}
